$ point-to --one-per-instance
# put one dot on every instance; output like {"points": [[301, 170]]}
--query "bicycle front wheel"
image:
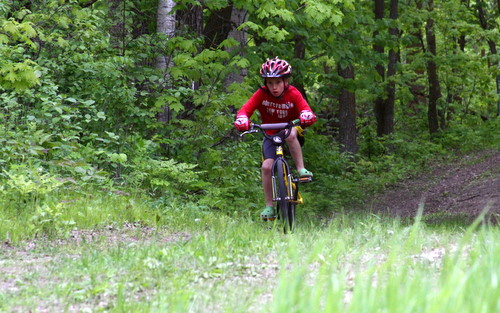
{"points": [[285, 208]]}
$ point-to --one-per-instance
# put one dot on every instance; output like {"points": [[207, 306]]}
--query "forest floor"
{"points": [[458, 191]]}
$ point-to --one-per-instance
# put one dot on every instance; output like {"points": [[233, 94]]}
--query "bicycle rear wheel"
{"points": [[285, 208]]}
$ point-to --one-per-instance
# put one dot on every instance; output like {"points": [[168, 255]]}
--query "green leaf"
{"points": [[176, 106], [118, 157], [243, 63], [101, 115], [273, 33], [229, 43], [4, 39], [250, 25]]}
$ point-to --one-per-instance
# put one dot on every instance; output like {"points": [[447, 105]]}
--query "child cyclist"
{"points": [[277, 102]]}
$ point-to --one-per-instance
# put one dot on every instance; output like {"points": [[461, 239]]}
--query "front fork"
{"points": [[290, 184]]}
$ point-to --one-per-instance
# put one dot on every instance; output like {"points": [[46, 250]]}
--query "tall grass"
{"points": [[413, 269], [203, 261]]}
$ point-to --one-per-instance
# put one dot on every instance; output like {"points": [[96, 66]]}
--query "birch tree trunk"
{"points": [[238, 17], [165, 24]]}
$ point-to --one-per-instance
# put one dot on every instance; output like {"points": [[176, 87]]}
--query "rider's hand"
{"points": [[307, 118], [242, 123]]}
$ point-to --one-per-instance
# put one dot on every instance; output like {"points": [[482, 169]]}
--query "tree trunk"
{"points": [[379, 108], [433, 79], [117, 29], [299, 52], [165, 24], [347, 113], [238, 17], [417, 90], [384, 104], [391, 73], [493, 47], [217, 26], [189, 21]]}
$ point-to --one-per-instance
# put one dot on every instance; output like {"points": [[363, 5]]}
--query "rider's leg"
{"points": [[267, 182], [296, 152]]}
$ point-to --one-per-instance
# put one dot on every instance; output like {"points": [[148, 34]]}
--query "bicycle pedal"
{"points": [[270, 219], [305, 179]]}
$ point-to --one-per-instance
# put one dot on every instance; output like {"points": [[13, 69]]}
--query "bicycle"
{"points": [[285, 186]]}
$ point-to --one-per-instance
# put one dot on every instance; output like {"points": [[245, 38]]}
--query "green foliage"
{"points": [[18, 76], [26, 197], [17, 72], [471, 135], [49, 220], [26, 186], [162, 177], [235, 174], [81, 100]]}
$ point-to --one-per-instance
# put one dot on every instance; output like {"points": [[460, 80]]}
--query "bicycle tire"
{"points": [[291, 217], [291, 207], [285, 208]]}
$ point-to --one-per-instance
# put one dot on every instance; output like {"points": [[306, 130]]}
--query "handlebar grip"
{"points": [[274, 126]]}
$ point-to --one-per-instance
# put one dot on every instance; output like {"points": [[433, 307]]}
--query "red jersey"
{"points": [[275, 110]]}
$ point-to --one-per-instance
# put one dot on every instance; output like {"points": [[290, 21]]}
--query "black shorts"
{"points": [[269, 150]]}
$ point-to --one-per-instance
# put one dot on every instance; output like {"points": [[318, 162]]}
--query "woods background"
{"points": [[138, 96]]}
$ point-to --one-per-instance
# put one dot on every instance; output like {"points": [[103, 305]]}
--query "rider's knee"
{"points": [[267, 165], [292, 136]]}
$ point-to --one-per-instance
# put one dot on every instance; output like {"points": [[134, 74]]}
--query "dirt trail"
{"points": [[462, 189]]}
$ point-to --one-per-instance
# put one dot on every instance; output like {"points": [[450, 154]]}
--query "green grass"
{"points": [[204, 261], [59, 211]]}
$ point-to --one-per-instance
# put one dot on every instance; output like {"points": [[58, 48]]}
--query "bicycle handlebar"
{"points": [[271, 126]]}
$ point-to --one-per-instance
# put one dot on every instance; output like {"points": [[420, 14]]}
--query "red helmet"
{"points": [[275, 68]]}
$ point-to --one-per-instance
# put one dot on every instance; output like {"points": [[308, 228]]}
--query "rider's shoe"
{"points": [[305, 173], [268, 214]]}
